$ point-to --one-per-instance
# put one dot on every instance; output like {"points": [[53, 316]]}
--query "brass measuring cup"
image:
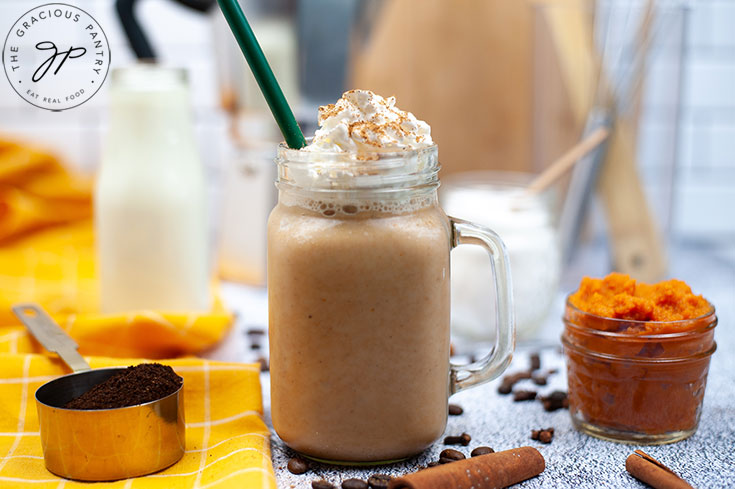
{"points": [[99, 444]]}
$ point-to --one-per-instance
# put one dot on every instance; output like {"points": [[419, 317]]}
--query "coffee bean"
{"points": [[505, 388], [255, 346], [463, 439], [322, 484], [433, 464], [297, 465], [255, 332], [506, 385], [264, 367], [354, 484], [544, 436], [555, 400], [539, 378], [379, 481], [455, 410], [451, 454], [519, 396], [535, 361], [481, 451]]}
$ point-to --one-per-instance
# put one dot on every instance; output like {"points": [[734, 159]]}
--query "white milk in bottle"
{"points": [[150, 203]]}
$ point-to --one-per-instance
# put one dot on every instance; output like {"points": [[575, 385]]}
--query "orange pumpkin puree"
{"points": [[618, 296], [624, 379]]}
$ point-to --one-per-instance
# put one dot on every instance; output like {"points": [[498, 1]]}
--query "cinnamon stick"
{"points": [[649, 470], [490, 471]]}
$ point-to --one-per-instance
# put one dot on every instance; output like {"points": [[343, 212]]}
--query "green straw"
{"points": [[263, 74]]}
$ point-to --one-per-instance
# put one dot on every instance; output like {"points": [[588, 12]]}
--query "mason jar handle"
{"points": [[492, 365]]}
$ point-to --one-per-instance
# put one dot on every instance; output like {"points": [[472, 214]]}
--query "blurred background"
{"points": [[506, 86]]}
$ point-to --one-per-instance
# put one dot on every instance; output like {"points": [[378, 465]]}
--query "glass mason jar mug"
{"points": [[358, 294]]}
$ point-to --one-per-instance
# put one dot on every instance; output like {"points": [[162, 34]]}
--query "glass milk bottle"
{"points": [[150, 207]]}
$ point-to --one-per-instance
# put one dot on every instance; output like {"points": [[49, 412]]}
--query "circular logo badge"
{"points": [[56, 56]]}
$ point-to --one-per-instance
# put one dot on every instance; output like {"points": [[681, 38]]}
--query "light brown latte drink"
{"points": [[358, 290]]}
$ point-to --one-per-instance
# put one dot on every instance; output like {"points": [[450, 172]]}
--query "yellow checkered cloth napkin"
{"points": [[227, 442], [47, 256]]}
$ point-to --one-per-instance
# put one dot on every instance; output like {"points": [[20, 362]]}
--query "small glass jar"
{"points": [[636, 388], [499, 201]]}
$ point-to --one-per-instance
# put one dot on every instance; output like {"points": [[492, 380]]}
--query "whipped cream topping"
{"points": [[364, 122]]}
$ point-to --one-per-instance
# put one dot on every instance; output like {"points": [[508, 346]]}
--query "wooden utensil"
{"points": [[636, 243], [637, 248], [565, 162]]}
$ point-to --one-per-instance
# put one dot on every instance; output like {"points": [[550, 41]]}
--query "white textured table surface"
{"points": [[706, 460]]}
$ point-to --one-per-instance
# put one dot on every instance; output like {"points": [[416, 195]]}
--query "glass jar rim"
{"points": [[660, 336], [392, 172], [300, 156]]}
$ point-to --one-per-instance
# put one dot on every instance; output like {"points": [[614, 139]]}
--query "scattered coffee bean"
{"points": [[451, 454], [519, 396], [255, 332], [264, 367], [322, 484], [379, 481], [553, 371], [481, 451], [555, 400], [433, 464], [544, 436], [506, 385], [463, 439], [455, 410], [535, 361], [255, 346], [297, 465], [539, 378], [354, 484]]}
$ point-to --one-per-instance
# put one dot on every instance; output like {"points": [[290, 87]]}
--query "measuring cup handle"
{"points": [[50, 335], [492, 365]]}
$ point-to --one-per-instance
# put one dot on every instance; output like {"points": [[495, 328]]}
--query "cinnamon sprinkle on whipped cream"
{"points": [[364, 122]]}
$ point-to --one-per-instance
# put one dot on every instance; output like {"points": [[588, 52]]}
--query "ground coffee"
{"points": [[135, 385]]}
